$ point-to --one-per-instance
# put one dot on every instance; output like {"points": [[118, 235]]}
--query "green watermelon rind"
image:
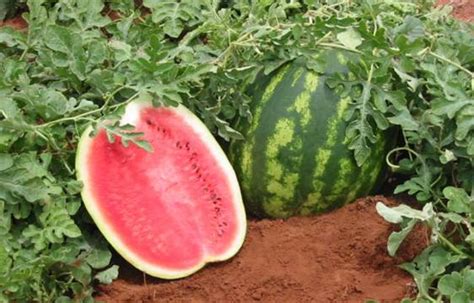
{"points": [[282, 177], [130, 117]]}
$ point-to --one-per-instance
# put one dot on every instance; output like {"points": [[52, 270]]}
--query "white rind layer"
{"points": [[131, 116]]}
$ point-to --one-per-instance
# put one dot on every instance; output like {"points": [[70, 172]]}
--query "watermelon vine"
{"points": [[80, 61]]}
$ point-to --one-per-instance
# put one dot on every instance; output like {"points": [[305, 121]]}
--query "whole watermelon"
{"points": [[294, 159]]}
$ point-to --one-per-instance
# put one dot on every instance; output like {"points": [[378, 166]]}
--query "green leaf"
{"points": [[61, 39], [7, 8], [5, 261], [99, 258], [450, 284], [468, 279], [82, 273], [350, 38], [449, 108], [6, 161], [447, 156], [174, 15], [465, 122], [396, 238], [71, 230], [412, 81], [397, 213], [426, 267], [388, 213], [97, 53], [24, 180], [144, 145], [63, 299], [412, 27], [459, 201], [405, 119], [455, 218], [9, 108], [122, 51], [461, 297], [5, 219], [51, 104], [12, 38], [108, 275], [420, 186]]}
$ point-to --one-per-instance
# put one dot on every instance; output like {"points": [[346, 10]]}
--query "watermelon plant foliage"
{"points": [[75, 66], [8, 8]]}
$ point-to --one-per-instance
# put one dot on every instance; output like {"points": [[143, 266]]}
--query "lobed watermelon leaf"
{"points": [[75, 66], [173, 16], [108, 275]]}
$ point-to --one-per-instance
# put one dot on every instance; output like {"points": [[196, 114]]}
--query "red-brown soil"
{"points": [[462, 9], [16, 23], [336, 257]]}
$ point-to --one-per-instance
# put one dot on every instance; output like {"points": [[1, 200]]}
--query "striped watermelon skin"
{"points": [[295, 159]]}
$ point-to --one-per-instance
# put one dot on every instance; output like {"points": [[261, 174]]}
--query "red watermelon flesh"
{"points": [[170, 211]]}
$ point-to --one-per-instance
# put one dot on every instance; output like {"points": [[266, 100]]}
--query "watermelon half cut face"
{"points": [[170, 211]]}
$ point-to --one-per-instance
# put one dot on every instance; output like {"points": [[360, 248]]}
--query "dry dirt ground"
{"points": [[462, 9], [336, 257]]}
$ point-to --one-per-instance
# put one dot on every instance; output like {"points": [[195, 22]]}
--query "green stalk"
{"points": [[453, 247], [339, 46], [459, 66], [78, 117]]}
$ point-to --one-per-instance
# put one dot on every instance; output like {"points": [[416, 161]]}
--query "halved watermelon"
{"points": [[170, 211]]}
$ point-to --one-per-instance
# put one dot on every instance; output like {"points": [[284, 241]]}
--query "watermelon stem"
{"points": [[403, 148], [101, 109], [459, 66], [452, 246], [339, 46], [223, 56]]}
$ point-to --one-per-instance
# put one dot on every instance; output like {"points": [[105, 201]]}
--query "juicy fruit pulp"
{"points": [[295, 159], [170, 211]]}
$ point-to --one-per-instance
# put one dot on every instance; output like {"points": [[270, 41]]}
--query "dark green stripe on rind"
{"points": [[242, 155], [294, 159], [276, 156], [318, 151], [283, 189]]}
